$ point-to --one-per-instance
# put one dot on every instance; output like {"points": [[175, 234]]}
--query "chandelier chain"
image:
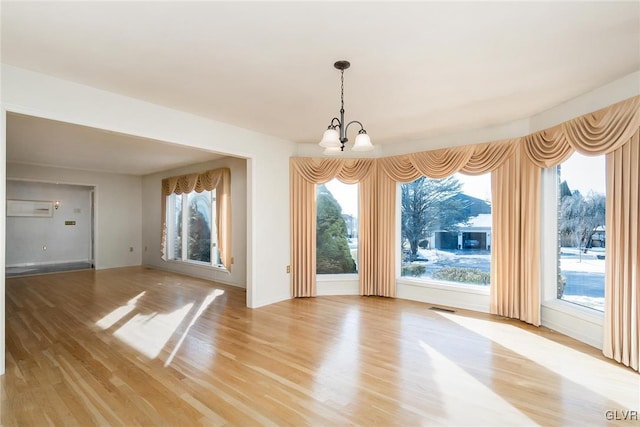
{"points": [[342, 90]]}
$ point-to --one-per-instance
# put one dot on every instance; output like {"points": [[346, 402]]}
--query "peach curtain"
{"points": [[305, 173], [515, 255], [218, 179], [622, 282]]}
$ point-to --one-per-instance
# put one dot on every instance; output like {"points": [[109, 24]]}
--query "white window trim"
{"points": [[337, 277], [582, 323]]}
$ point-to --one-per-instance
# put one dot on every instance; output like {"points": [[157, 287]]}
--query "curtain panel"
{"points": [[622, 283], [218, 179], [515, 254]]}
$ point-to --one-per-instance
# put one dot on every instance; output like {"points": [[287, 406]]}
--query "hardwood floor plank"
{"points": [[140, 347]]}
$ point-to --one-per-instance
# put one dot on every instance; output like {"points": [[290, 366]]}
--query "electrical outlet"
{"points": [[288, 269]]}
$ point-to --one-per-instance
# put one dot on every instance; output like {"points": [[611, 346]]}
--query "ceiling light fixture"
{"points": [[335, 137]]}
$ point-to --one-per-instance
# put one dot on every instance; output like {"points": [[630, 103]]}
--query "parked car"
{"points": [[471, 244]]}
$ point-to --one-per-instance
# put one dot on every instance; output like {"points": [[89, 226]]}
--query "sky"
{"points": [[347, 195], [581, 173], [584, 173]]}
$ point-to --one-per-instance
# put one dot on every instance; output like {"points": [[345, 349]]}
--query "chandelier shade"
{"points": [[335, 137]]}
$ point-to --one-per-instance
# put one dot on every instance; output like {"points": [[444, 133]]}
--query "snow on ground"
{"points": [[434, 256], [572, 260], [584, 266]]}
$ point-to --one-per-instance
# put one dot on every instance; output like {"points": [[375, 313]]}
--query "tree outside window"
{"points": [[581, 231], [336, 229]]}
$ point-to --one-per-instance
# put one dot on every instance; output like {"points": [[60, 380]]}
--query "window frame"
{"points": [[428, 282], [171, 214], [564, 316]]}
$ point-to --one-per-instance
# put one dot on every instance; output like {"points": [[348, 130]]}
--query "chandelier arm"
{"points": [[352, 122], [335, 119]]}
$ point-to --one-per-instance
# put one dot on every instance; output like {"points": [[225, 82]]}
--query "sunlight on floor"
{"points": [[205, 304], [149, 333], [485, 404], [112, 318], [609, 381]]}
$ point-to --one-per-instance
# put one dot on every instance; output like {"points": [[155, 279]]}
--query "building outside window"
{"points": [[446, 229], [337, 228], [191, 232], [581, 230]]}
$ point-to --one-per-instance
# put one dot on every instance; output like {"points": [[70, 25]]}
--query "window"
{"points": [[581, 230], [337, 228], [446, 229], [191, 233]]}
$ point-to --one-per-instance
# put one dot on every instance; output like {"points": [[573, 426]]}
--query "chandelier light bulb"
{"points": [[330, 139], [362, 143]]}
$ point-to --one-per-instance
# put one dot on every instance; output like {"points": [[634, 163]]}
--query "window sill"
{"points": [[336, 277], [575, 310], [198, 264], [581, 323], [449, 286]]}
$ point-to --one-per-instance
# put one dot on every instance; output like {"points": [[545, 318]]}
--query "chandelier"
{"points": [[335, 137]]}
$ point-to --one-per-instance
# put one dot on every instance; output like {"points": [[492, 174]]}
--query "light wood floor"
{"points": [[137, 346]]}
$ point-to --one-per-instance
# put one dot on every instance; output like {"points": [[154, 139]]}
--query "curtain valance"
{"points": [[470, 159], [319, 171], [600, 132], [198, 182]]}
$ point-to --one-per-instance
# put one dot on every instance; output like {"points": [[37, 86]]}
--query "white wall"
{"points": [[118, 209], [35, 240], [151, 203]]}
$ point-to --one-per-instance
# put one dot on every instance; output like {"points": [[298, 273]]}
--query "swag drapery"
{"points": [[218, 179], [516, 176]]}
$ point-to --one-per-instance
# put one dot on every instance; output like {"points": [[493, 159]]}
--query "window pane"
{"points": [[337, 228], [446, 228], [175, 232], [581, 230], [199, 226]]}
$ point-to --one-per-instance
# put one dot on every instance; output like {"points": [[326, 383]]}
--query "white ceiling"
{"points": [[419, 69], [43, 142]]}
